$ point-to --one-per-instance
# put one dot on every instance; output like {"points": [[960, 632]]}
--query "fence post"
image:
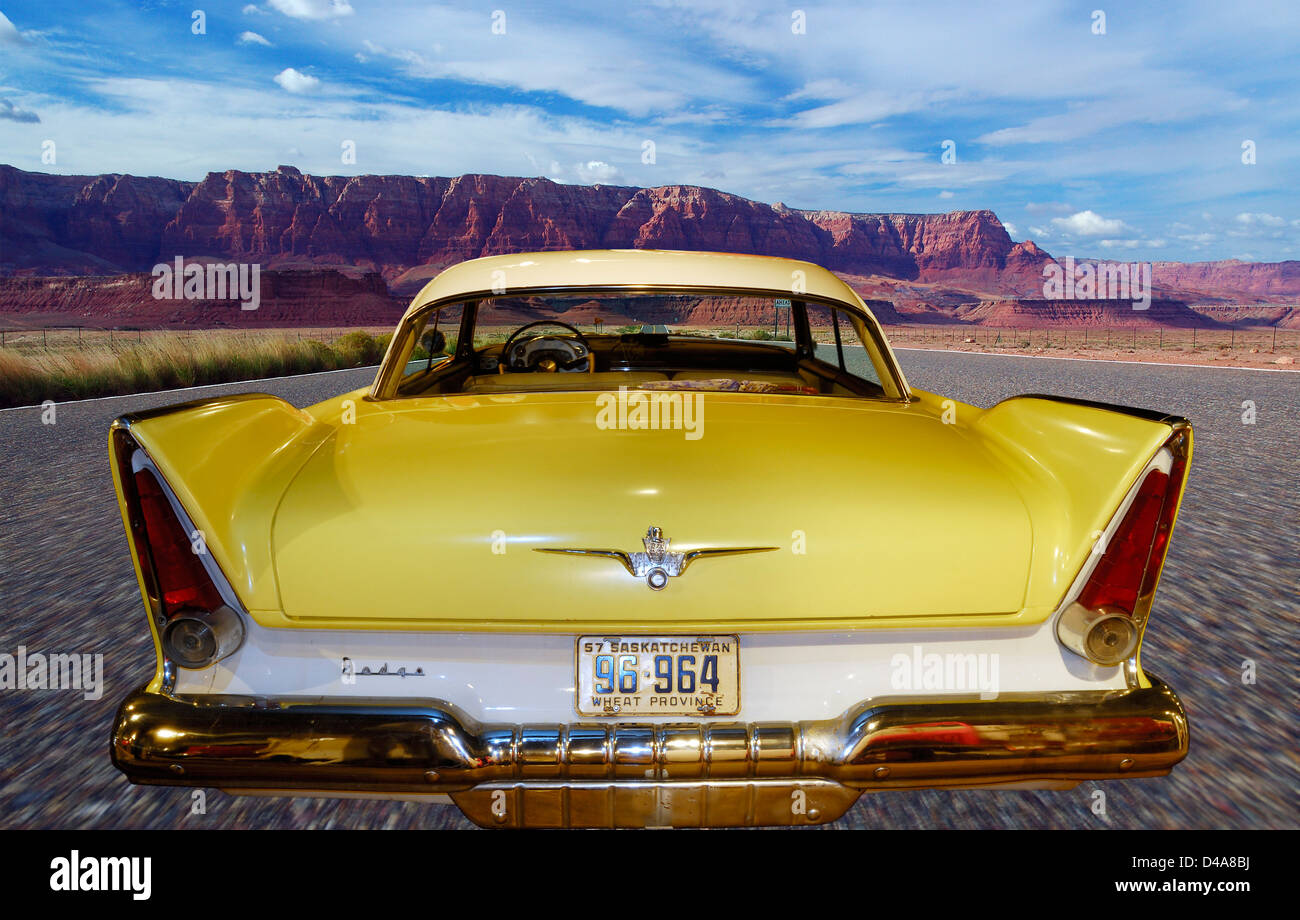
{"points": [[1232, 339], [1162, 338], [1274, 348]]}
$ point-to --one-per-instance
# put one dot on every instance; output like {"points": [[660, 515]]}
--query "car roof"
{"points": [[652, 268]]}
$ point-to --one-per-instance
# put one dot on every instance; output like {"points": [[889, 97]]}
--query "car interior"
{"points": [[552, 355]]}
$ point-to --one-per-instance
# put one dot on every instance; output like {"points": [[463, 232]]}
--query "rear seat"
{"points": [[777, 377], [601, 380]]}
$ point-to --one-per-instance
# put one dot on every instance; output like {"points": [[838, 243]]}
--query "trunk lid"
{"points": [[425, 514]]}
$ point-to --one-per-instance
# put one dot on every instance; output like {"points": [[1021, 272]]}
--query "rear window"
{"points": [[677, 341]]}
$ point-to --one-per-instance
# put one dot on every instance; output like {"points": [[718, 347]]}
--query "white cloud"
{"points": [[295, 81], [1088, 223], [828, 88], [252, 9], [1011, 229], [252, 38], [9, 34], [1041, 233], [1163, 99], [1156, 243], [598, 172], [198, 127], [633, 73], [945, 194], [313, 9], [863, 107], [1259, 219]]}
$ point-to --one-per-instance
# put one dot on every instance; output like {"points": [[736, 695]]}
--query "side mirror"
{"points": [[434, 342]]}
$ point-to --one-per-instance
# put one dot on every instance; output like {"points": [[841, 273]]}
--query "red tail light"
{"points": [[1105, 623], [182, 580], [196, 628], [1130, 567], [1117, 580]]}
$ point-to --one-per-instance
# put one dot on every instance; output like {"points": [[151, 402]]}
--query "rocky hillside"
{"points": [[1026, 313], [321, 297], [392, 224], [403, 229]]}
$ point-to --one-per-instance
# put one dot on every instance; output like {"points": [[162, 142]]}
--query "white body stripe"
{"points": [[530, 678]]}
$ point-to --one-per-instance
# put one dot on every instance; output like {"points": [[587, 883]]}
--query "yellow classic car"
{"points": [[645, 577]]}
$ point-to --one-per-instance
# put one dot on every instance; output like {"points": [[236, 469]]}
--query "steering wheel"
{"points": [[546, 353]]}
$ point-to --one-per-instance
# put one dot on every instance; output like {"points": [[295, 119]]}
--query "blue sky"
{"points": [[1126, 143]]}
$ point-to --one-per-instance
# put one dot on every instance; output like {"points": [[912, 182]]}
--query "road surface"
{"points": [[1228, 594]]}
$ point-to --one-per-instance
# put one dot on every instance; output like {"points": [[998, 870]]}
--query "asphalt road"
{"points": [[1228, 594]]}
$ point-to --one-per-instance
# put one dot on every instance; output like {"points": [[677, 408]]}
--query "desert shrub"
{"points": [[358, 349], [160, 363]]}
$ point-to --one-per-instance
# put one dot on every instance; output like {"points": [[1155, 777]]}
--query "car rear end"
{"points": [[936, 604]]}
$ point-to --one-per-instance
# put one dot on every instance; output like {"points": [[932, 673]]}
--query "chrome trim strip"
{"points": [[616, 554], [691, 555]]}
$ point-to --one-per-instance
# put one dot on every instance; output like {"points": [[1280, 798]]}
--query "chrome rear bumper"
{"points": [[610, 774]]}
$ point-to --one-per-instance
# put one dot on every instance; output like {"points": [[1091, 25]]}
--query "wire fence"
{"points": [[1271, 339], [1138, 338], [64, 337]]}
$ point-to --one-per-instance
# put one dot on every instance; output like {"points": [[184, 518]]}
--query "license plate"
{"points": [[658, 675]]}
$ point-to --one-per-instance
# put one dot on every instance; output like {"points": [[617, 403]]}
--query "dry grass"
{"points": [[29, 377]]}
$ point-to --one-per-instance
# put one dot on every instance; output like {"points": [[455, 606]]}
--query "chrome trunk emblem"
{"points": [[658, 563]]}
